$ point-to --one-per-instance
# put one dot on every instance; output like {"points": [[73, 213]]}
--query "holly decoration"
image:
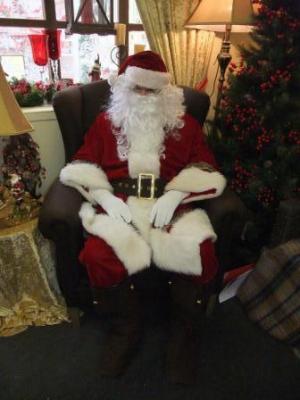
{"points": [[258, 143], [27, 94]]}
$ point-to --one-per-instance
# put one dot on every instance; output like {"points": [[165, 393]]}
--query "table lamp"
{"points": [[224, 16], [13, 122]]}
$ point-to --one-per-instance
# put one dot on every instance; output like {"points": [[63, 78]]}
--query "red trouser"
{"points": [[105, 269]]}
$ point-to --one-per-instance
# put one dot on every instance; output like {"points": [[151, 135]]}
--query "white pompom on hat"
{"points": [[145, 69]]}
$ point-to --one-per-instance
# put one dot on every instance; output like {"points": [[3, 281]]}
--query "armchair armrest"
{"points": [[228, 216], [59, 221], [219, 208], [61, 206]]}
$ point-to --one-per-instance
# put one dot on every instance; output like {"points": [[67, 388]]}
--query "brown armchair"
{"points": [[76, 108]]}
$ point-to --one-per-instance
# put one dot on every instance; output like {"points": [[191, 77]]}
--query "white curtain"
{"points": [[186, 52]]}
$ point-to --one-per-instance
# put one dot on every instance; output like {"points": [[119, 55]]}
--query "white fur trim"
{"points": [[128, 245], [179, 249], [145, 162], [112, 78], [195, 180], [81, 175], [147, 78], [140, 210]]}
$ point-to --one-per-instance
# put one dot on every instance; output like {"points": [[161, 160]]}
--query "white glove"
{"points": [[115, 207], [163, 210]]}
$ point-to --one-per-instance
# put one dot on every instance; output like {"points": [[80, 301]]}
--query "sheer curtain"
{"points": [[186, 52]]}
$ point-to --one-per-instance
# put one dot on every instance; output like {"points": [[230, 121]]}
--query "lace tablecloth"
{"points": [[29, 293]]}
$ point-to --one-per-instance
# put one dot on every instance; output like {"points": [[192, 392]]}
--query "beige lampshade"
{"points": [[215, 15], [12, 120]]}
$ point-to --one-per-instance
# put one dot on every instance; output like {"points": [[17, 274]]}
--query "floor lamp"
{"points": [[224, 16]]}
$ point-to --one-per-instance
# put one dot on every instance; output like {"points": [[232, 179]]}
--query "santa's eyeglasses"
{"points": [[144, 91]]}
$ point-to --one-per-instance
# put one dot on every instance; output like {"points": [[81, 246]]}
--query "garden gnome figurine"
{"points": [[95, 73]]}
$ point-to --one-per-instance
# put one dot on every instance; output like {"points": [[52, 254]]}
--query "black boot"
{"points": [[122, 306], [188, 305]]}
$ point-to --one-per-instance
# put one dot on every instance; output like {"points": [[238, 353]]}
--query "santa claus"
{"points": [[143, 163]]}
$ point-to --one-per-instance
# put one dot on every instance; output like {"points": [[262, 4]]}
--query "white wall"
{"points": [[47, 135]]}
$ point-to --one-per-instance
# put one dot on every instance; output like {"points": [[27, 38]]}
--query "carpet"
{"points": [[238, 362]]}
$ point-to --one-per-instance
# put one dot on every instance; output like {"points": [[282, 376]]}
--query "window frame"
{"points": [[50, 21], [71, 25], [124, 18]]}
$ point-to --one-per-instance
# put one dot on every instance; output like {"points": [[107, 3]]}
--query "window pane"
{"points": [[92, 13], [14, 64], [16, 55], [79, 53], [32, 9], [116, 10], [134, 15], [137, 39], [60, 10]]}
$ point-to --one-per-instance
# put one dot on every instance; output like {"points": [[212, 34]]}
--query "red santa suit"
{"points": [[116, 249]]}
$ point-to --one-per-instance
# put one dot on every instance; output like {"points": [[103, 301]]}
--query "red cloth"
{"points": [[209, 261], [100, 148], [104, 268]]}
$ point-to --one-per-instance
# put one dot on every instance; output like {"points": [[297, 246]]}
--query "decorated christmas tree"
{"points": [[258, 139], [21, 158]]}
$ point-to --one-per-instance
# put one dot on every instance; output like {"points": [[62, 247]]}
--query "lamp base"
{"points": [[224, 58]]}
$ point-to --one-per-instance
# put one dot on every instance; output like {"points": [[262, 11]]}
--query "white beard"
{"points": [[142, 123]]}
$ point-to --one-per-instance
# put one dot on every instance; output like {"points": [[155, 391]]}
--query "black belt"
{"points": [[146, 186]]}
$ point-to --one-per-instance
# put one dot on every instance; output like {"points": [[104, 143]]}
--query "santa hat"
{"points": [[145, 69]]}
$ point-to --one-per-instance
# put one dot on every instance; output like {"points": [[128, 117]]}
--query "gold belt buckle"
{"points": [[152, 189]]}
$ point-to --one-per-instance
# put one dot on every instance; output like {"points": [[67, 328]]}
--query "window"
{"points": [[24, 9], [92, 13], [19, 18], [15, 64], [137, 41], [60, 10], [16, 55], [134, 16], [79, 53]]}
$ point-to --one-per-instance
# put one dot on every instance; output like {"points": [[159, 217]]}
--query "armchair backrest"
{"points": [[77, 107]]}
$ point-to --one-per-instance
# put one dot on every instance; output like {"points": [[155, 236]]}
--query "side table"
{"points": [[29, 293]]}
